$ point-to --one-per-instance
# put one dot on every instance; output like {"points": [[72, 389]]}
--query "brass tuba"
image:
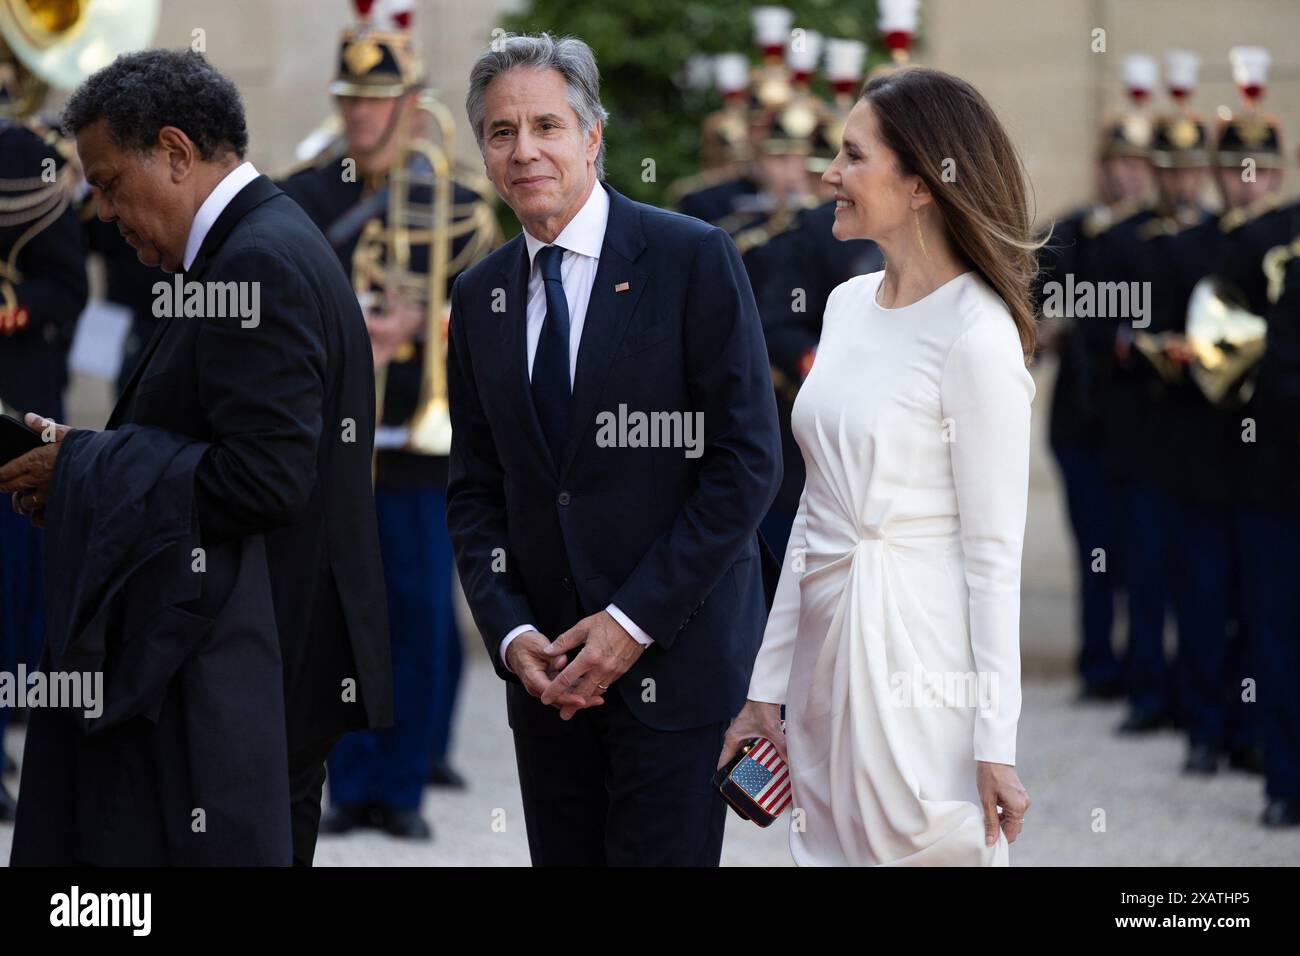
{"points": [[1227, 341], [382, 261], [54, 43], [58, 43]]}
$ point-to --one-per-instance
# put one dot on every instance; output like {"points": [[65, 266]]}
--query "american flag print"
{"points": [[764, 776]]}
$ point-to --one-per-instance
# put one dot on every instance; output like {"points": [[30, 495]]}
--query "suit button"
{"points": [[568, 583], [563, 498]]}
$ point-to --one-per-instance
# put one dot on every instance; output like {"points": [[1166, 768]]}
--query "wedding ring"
{"points": [[602, 686]]}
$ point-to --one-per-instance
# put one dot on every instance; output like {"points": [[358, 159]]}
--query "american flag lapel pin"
{"points": [[622, 286]]}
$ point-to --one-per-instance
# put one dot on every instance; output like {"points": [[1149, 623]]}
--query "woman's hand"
{"points": [[756, 719], [999, 786]]}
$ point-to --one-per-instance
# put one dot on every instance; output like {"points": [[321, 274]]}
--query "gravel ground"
{"points": [[1071, 763]]}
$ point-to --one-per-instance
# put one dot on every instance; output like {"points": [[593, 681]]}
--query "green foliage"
{"points": [[642, 47]]}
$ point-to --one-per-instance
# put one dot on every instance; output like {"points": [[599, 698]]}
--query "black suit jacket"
{"points": [[192, 712], [289, 408], [670, 540]]}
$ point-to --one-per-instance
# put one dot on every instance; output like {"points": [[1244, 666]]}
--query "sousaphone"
{"points": [[58, 43]]}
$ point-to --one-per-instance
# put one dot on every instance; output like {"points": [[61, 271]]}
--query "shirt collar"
{"points": [[585, 232], [212, 207]]}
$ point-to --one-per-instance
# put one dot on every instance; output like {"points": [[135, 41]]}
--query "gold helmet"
{"points": [[1181, 138], [724, 133], [1130, 133], [769, 82], [1249, 134], [378, 57]]}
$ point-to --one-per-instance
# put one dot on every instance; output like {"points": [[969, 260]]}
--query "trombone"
{"points": [[381, 264]]}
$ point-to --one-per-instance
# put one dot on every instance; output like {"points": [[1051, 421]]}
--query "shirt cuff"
{"points": [[505, 642], [638, 635]]}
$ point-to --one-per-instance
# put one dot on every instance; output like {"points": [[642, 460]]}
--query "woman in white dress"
{"points": [[894, 639]]}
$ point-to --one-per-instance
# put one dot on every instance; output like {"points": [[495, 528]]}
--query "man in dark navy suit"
{"points": [[615, 445]]}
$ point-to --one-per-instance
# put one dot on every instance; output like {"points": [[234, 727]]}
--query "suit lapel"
{"points": [[245, 201], [252, 195], [123, 400], [614, 295]]}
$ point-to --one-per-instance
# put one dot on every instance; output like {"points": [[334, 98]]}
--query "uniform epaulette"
{"points": [[1274, 266], [697, 182], [331, 152], [781, 221], [1167, 225], [50, 136], [1105, 216], [1236, 218]]}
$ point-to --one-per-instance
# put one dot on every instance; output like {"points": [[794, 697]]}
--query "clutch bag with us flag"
{"points": [[756, 782]]}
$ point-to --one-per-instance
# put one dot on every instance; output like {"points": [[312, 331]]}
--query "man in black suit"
{"points": [[278, 379], [612, 562]]}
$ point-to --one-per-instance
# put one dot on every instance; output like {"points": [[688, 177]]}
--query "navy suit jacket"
{"points": [[671, 326]]}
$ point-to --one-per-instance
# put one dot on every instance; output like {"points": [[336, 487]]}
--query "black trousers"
{"points": [[317, 716], [305, 787], [607, 790]]}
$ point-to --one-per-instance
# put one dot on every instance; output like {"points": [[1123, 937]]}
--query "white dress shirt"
{"points": [[582, 240], [212, 207]]}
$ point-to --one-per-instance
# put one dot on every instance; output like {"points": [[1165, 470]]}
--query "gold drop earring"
{"points": [[919, 236]]}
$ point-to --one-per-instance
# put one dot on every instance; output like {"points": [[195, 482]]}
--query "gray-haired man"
{"points": [[618, 585]]}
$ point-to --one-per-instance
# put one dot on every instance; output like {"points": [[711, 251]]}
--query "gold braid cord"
{"points": [[481, 223], [30, 201]]}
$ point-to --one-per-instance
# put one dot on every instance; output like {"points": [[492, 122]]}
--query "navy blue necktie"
{"points": [[551, 387]]}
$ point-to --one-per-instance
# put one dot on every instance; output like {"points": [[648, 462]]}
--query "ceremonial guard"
{"points": [[1135, 371], [385, 197], [1199, 429], [725, 177], [794, 262], [42, 291], [1243, 328], [1269, 521], [1075, 433], [764, 172], [799, 268]]}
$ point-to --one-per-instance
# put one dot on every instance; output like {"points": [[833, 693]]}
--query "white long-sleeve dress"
{"points": [[894, 637]]}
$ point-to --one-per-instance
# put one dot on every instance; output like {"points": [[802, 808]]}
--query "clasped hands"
{"points": [[27, 477], [548, 673]]}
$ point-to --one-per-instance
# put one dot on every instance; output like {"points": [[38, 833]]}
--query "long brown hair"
{"points": [[935, 122]]}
